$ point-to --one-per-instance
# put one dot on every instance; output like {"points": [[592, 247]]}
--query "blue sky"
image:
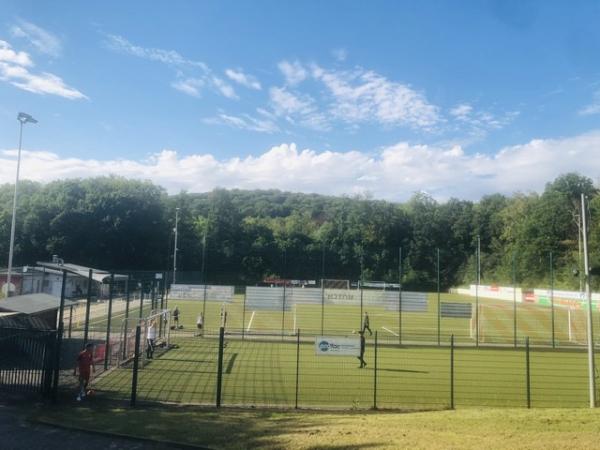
{"points": [[338, 97]]}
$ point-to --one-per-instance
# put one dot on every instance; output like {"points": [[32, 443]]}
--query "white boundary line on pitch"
{"points": [[250, 322], [390, 331]]}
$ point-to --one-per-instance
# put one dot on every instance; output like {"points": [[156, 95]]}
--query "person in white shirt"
{"points": [[151, 338]]}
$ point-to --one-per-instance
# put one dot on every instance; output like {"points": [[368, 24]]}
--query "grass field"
{"points": [[467, 428], [261, 369], [500, 322], [263, 373]]}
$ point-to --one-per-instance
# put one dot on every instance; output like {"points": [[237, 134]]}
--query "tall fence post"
{"points": [[127, 295], [136, 365], [452, 372], [204, 321], [87, 308], [70, 320], [220, 366], [552, 297], [107, 349], [283, 311], [375, 375], [514, 282], [141, 300], [322, 306], [528, 372], [400, 296], [59, 336], [243, 315], [153, 294], [439, 313], [297, 367]]}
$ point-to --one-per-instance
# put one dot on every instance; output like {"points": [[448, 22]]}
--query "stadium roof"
{"points": [[31, 303], [101, 276], [22, 321]]}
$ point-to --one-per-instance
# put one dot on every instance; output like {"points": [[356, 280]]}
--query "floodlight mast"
{"points": [[23, 118]]}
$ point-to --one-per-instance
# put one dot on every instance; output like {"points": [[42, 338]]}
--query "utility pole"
{"points": [[588, 293]]}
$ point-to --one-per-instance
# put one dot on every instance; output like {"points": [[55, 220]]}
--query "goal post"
{"points": [[161, 318]]}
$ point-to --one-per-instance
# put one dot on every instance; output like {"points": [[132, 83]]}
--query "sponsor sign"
{"points": [[337, 346]]}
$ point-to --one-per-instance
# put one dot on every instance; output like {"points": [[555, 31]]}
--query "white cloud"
{"points": [[244, 79], [297, 108], [393, 173], [191, 75], [225, 89], [44, 41], [10, 56], [461, 111], [592, 108], [246, 122], [365, 96], [15, 69], [340, 54], [294, 72], [189, 86], [169, 57]]}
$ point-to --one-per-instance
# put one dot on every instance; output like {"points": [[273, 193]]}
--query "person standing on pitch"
{"points": [[151, 339], [176, 316], [200, 323], [85, 364], [362, 350], [366, 324]]}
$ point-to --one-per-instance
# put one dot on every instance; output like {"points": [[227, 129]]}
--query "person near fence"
{"points": [[366, 324], [362, 350], [223, 316], [200, 323], [85, 366], [176, 316], [151, 339]]}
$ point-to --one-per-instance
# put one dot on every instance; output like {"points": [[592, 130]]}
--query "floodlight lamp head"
{"points": [[25, 118]]}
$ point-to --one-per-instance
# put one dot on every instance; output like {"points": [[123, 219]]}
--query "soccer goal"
{"points": [[497, 323], [329, 283], [160, 318]]}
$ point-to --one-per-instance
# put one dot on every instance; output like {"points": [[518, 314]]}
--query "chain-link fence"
{"points": [[293, 374]]}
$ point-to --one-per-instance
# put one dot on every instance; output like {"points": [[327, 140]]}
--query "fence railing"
{"points": [[229, 371], [26, 360]]}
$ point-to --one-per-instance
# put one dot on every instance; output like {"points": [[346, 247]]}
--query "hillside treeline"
{"points": [[119, 224]]}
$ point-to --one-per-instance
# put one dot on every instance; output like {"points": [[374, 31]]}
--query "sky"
{"points": [[380, 99]]}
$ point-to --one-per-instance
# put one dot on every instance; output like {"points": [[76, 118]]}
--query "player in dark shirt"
{"points": [[362, 350], [366, 324]]}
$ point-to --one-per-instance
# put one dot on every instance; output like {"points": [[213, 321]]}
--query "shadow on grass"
{"points": [[210, 427]]}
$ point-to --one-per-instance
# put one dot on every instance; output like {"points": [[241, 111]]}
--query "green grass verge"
{"points": [[233, 429]]}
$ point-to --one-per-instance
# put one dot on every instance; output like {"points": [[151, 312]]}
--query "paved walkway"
{"points": [[16, 433]]}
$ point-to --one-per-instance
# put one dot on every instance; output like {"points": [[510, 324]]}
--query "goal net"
{"points": [[329, 283], [160, 318], [497, 323]]}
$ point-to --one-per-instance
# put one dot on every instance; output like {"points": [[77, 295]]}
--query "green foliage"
{"points": [[243, 236]]}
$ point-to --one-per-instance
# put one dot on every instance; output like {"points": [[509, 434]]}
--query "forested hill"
{"points": [[120, 224]]}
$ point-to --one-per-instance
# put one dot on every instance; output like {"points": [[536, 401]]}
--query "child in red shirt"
{"points": [[85, 364]]}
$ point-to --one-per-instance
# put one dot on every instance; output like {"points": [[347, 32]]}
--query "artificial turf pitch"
{"points": [[268, 368]]}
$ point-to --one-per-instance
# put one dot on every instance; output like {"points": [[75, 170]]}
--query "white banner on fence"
{"points": [[337, 346], [198, 291], [497, 292]]}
